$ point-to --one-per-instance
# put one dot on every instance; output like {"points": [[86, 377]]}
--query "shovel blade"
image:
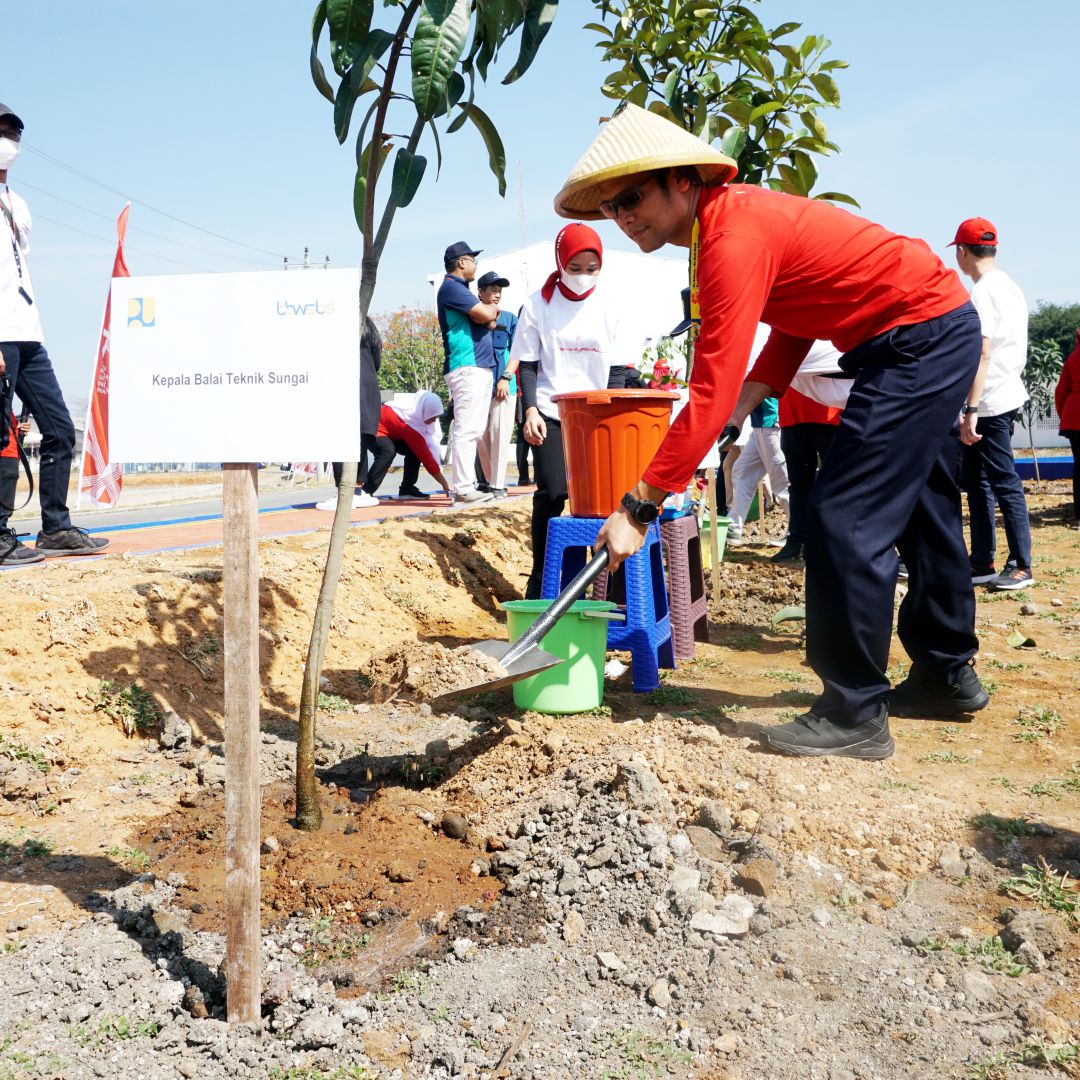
{"points": [[531, 662]]}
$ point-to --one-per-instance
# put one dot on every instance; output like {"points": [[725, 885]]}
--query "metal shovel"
{"points": [[522, 658]]}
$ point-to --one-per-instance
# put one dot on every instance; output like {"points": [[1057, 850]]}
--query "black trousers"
{"points": [[33, 379], [522, 447], [9, 482], [367, 446], [549, 498], [383, 452], [1074, 442], [890, 480], [804, 447]]}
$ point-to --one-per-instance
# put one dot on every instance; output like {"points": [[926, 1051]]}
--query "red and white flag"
{"points": [[100, 478]]}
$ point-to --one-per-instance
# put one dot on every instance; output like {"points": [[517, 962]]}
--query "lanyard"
{"points": [[695, 298], [9, 213]]}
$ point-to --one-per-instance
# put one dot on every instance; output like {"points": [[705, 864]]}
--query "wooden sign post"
{"points": [[242, 800]]}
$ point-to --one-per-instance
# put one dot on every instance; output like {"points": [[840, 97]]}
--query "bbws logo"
{"points": [[284, 307], [142, 311]]}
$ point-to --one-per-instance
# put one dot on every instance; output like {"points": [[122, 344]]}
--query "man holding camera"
{"points": [[25, 370]]}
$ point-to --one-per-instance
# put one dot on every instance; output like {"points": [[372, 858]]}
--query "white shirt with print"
{"points": [[19, 321]]}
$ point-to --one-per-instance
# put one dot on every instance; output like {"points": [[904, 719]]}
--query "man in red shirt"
{"points": [[911, 341]]}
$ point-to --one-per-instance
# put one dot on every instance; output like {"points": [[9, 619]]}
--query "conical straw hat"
{"points": [[633, 141]]}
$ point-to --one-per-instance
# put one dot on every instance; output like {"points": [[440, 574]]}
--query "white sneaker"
{"points": [[473, 496], [327, 504], [364, 499]]}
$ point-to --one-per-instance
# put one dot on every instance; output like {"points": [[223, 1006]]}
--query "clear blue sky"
{"points": [[951, 108]]}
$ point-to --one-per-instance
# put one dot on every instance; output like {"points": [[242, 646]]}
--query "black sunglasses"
{"points": [[627, 199]]}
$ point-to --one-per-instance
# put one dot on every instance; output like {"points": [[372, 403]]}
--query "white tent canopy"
{"points": [[650, 284]]}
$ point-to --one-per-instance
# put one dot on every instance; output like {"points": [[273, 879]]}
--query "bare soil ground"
{"points": [[420, 808]]}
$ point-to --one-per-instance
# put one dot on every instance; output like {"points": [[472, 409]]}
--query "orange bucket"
{"points": [[609, 438]]}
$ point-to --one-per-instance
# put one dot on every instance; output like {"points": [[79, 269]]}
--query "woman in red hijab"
{"points": [[567, 339], [1067, 403]]}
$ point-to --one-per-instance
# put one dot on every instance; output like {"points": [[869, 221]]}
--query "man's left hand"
{"points": [[622, 536], [968, 435]]}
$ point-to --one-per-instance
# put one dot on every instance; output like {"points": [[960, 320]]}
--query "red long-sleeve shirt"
{"points": [[796, 408], [807, 269], [1067, 393], [391, 426]]}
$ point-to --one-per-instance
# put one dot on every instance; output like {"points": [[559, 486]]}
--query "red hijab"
{"points": [[572, 240]]}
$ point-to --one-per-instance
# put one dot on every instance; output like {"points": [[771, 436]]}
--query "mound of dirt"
{"points": [[419, 671]]}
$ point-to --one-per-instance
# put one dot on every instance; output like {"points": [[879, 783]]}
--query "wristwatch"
{"points": [[965, 409], [643, 511]]}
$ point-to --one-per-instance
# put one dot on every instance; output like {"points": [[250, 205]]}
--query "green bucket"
{"points": [[722, 524], [580, 639]]}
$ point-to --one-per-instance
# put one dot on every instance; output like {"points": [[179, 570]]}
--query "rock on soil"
{"points": [[419, 671]]}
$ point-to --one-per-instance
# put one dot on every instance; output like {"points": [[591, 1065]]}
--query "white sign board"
{"points": [[235, 367]]}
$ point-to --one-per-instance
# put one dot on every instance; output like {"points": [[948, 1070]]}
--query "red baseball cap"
{"points": [[976, 230]]}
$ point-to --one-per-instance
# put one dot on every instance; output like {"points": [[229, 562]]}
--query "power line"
{"points": [[145, 232], [106, 240], [130, 198]]}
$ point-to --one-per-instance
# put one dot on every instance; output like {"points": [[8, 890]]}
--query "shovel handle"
{"points": [[559, 607]]}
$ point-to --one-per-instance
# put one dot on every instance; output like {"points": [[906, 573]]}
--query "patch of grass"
{"points": [[326, 942], [601, 712], [21, 844], [17, 751], [743, 641], [332, 703], [641, 1055], [797, 697], [112, 1029], [1056, 788], [844, 900], [132, 707], [1006, 665], [403, 598], [990, 953], [1037, 722], [667, 696], [780, 675], [947, 757], [1035, 1053], [202, 655], [784, 715], [1044, 886], [898, 785], [991, 686], [140, 778], [1004, 781], [132, 858], [1003, 828], [898, 671], [405, 981]]}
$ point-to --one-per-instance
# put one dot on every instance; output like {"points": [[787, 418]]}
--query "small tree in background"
{"points": [[441, 84], [716, 70], [1040, 375], [1054, 324], [412, 351]]}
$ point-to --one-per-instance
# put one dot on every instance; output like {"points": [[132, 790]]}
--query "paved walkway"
{"points": [[184, 533]]}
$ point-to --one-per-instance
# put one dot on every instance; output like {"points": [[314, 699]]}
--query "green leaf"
{"points": [[360, 183], [814, 124], [838, 196], [539, 15], [318, 72], [785, 28], [826, 87], [806, 169], [1019, 640], [356, 82], [349, 22], [438, 148], [733, 142], [496, 152], [789, 614], [408, 172], [437, 45], [670, 85], [765, 110]]}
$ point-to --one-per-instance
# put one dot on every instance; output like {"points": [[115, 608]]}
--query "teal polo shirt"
{"points": [[465, 343]]}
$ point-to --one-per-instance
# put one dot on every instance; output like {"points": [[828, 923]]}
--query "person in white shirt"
{"points": [[570, 336], [986, 459], [26, 370]]}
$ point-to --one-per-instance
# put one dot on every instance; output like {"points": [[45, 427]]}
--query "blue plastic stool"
{"points": [[647, 630]]}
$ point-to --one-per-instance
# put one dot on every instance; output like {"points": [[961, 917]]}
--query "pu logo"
{"points": [[141, 311]]}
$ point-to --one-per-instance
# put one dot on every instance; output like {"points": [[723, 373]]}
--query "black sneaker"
{"points": [[498, 493], [70, 541], [925, 694], [1013, 577], [13, 552], [791, 552], [412, 492], [980, 575], [815, 736]]}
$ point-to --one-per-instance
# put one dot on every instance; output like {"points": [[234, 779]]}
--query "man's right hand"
{"points": [[3, 365], [534, 429]]}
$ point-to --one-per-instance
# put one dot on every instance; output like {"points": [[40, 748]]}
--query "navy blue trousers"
{"points": [[988, 475], [889, 481], [34, 381]]}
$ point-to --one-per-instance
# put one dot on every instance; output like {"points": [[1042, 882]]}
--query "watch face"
{"points": [[647, 513]]}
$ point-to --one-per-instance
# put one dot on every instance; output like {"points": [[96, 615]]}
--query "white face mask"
{"points": [[9, 151], [578, 283]]}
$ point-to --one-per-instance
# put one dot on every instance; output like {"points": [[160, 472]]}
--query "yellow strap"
{"points": [[695, 300]]}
